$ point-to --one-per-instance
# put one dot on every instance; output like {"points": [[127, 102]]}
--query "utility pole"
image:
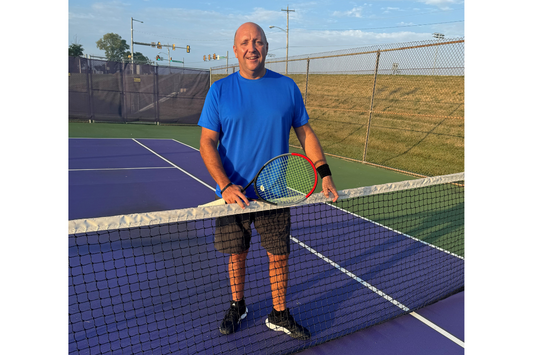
{"points": [[132, 19], [287, 49]]}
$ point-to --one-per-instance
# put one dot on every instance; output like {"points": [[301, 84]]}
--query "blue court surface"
{"points": [[110, 177]]}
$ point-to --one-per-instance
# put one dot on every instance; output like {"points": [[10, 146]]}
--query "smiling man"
{"points": [[246, 121], [250, 48]]}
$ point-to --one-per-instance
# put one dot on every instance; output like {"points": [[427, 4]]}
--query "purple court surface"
{"points": [[110, 177]]}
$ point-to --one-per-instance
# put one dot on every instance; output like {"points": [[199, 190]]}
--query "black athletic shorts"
{"points": [[233, 233]]}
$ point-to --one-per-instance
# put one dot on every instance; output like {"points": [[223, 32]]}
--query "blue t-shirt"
{"points": [[253, 119]]}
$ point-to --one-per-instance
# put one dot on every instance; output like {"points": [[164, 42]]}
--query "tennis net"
{"points": [[153, 283]]}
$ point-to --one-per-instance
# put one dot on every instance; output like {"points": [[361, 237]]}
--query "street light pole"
{"points": [[132, 19], [287, 49]]}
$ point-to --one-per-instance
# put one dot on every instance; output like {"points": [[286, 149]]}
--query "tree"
{"points": [[139, 58], [75, 50], [116, 48]]}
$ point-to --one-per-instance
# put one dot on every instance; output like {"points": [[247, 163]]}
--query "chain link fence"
{"points": [[399, 105], [124, 92]]}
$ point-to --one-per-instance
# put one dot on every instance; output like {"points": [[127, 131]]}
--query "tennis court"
{"points": [[152, 282]]}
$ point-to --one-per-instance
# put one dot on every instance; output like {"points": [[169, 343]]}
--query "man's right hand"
{"points": [[234, 194]]}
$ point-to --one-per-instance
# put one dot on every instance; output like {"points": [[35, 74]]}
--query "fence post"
{"points": [[123, 92], [90, 89], [371, 105], [156, 93], [306, 81]]}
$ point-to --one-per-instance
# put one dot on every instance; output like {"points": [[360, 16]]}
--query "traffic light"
{"points": [[188, 49], [173, 47], [158, 58], [209, 56], [159, 45], [214, 56], [204, 57]]}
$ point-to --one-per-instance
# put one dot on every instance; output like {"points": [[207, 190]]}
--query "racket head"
{"points": [[286, 179]]}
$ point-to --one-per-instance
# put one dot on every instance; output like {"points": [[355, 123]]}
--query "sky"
{"points": [[208, 27]]}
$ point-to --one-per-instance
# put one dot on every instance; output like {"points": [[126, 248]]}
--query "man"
{"points": [[246, 121]]}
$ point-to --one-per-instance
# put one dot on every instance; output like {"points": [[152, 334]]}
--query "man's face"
{"points": [[251, 49]]}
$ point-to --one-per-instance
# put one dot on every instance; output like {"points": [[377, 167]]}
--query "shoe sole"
{"points": [[240, 319], [278, 328]]}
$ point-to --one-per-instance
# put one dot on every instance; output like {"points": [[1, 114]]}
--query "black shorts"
{"points": [[233, 233]]}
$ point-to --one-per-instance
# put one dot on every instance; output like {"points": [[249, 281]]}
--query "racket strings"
{"points": [[288, 179]]}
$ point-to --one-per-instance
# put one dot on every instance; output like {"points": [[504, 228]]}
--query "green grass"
{"points": [[417, 121]]}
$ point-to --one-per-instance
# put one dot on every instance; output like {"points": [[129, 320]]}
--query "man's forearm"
{"points": [[311, 145], [213, 163]]}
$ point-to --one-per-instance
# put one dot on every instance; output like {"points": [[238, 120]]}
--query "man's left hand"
{"points": [[329, 186]]}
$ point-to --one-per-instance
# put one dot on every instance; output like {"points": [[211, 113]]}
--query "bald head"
{"points": [[250, 47], [247, 27]]}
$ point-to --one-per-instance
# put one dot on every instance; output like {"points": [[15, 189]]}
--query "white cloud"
{"points": [[355, 12], [261, 15], [109, 6], [442, 4], [74, 16]]}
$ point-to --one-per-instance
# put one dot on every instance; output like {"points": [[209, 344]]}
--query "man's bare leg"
{"points": [[237, 274], [279, 276]]}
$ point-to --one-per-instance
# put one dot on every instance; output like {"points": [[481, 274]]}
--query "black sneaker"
{"points": [[233, 317], [284, 322]]}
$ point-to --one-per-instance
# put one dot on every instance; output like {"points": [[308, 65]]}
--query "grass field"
{"points": [[417, 122]]}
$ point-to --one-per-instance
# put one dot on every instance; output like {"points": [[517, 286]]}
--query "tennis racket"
{"points": [[285, 180]]}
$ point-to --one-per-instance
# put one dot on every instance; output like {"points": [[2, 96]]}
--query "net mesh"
{"points": [[154, 283]]}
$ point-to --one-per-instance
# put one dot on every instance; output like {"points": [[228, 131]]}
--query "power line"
{"points": [[187, 39], [380, 28]]}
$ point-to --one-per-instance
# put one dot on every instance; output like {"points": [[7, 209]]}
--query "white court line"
{"points": [[381, 293], [401, 233], [376, 290], [438, 329], [188, 146], [174, 165]]}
